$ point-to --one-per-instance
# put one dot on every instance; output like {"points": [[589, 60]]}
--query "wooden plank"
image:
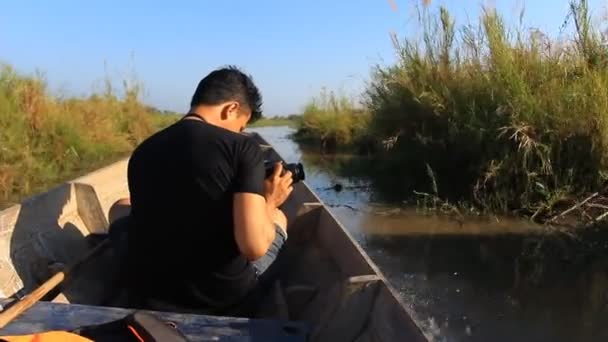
{"points": [[303, 228], [348, 255], [110, 183], [89, 209], [53, 316], [362, 308], [391, 322], [345, 317], [307, 207]]}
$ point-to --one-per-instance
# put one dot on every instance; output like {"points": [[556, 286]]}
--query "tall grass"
{"points": [[45, 140], [332, 121], [505, 117]]}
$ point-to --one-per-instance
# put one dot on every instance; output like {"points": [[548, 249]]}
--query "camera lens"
{"points": [[296, 169]]}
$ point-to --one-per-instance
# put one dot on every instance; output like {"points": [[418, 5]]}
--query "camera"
{"points": [[297, 170]]}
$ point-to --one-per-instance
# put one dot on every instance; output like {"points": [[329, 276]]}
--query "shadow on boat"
{"points": [[49, 232]]}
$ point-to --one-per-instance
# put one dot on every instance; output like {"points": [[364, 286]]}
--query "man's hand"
{"points": [[277, 187]]}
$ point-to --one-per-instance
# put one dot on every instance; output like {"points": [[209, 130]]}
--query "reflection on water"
{"points": [[475, 279]]}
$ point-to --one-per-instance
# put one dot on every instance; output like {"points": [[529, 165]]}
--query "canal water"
{"points": [[470, 279]]}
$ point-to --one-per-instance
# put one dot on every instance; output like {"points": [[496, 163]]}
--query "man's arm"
{"points": [[254, 228], [255, 203]]}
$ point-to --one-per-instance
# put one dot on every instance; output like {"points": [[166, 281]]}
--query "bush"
{"points": [[505, 118], [333, 121], [46, 140]]}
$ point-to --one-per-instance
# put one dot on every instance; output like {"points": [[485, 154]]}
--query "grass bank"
{"points": [[333, 122], [45, 140], [504, 118], [290, 121]]}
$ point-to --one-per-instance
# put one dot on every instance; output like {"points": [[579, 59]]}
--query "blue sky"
{"points": [[292, 48]]}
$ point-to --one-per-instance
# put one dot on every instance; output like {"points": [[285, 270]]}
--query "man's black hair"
{"points": [[229, 84]]}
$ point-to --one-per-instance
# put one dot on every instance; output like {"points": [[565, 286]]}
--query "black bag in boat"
{"points": [[137, 327]]}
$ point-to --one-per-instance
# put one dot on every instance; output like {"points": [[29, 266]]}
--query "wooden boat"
{"points": [[330, 290]]}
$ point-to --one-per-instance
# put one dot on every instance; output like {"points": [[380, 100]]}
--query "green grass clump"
{"points": [[506, 118], [45, 140], [333, 121]]}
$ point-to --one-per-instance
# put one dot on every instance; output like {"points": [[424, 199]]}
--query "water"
{"points": [[483, 279]]}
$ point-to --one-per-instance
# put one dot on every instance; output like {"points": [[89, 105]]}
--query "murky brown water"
{"points": [[482, 279]]}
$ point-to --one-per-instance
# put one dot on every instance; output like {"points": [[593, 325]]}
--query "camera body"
{"points": [[296, 169]]}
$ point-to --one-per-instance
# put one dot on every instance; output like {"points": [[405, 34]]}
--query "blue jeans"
{"points": [[262, 264]]}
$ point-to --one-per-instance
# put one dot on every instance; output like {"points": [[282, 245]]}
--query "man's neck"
{"points": [[194, 116], [208, 114]]}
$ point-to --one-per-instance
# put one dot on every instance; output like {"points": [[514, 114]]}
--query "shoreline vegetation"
{"points": [[483, 117], [46, 140], [334, 122], [275, 121]]}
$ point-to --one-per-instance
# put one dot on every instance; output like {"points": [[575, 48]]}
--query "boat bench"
{"points": [[45, 316]]}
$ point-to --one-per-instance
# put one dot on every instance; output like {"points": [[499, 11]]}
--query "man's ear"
{"points": [[230, 110]]}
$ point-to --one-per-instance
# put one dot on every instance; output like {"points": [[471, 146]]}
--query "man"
{"points": [[204, 224]]}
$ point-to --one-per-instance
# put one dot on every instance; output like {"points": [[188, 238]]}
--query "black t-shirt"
{"points": [[181, 241]]}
